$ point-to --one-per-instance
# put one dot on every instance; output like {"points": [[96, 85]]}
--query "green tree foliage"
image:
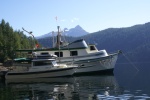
{"points": [[11, 40]]}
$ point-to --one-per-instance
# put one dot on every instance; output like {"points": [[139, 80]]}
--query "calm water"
{"points": [[127, 83]]}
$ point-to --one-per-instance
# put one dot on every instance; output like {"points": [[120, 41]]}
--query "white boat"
{"points": [[86, 56], [98, 61], [39, 68]]}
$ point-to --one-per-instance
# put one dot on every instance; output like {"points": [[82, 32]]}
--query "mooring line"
{"points": [[130, 62]]}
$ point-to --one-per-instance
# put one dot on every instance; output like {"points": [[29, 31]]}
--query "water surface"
{"points": [[127, 83]]}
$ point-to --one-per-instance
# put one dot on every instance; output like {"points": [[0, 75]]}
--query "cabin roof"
{"points": [[34, 60], [70, 46], [49, 49]]}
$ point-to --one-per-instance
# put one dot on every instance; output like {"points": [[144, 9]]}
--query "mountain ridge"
{"points": [[77, 31]]}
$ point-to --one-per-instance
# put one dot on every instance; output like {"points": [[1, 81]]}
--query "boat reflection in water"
{"points": [[68, 88], [112, 87]]}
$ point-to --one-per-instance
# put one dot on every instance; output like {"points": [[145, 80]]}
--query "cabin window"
{"points": [[73, 53], [59, 54], [92, 48], [42, 63], [44, 53]]}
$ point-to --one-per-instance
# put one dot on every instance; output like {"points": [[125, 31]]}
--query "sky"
{"points": [[43, 16]]}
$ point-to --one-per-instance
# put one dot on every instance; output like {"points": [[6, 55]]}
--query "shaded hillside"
{"points": [[133, 41]]}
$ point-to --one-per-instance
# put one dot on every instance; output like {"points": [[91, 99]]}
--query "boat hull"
{"points": [[41, 74], [2, 74], [102, 64]]}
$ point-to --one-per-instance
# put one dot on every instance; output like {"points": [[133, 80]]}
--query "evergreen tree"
{"points": [[11, 40]]}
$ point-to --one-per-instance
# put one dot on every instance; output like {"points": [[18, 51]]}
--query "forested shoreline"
{"points": [[11, 40]]}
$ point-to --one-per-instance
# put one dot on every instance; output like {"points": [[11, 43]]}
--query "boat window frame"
{"points": [[42, 63], [92, 47], [44, 53], [74, 53], [57, 53]]}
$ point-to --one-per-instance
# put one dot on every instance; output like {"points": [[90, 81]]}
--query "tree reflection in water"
{"points": [[67, 88]]}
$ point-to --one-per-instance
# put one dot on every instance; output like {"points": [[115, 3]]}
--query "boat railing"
{"points": [[20, 67], [116, 52]]}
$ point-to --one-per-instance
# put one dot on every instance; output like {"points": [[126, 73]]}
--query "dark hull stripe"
{"points": [[38, 72], [100, 72], [91, 60]]}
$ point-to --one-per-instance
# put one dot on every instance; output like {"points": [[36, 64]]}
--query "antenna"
{"points": [[56, 20], [65, 35], [53, 38], [32, 36], [28, 32]]}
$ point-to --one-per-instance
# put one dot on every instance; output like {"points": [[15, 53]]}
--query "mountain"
{"points": [[44, 36], [134, 41], [74, 32]]}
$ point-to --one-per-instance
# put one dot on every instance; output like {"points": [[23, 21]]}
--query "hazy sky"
{"points": [[92, 15]]}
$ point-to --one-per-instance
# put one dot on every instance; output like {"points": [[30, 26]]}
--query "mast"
{"points": [[53, 39], [58, 41], [58, 37], [33, 44]]}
